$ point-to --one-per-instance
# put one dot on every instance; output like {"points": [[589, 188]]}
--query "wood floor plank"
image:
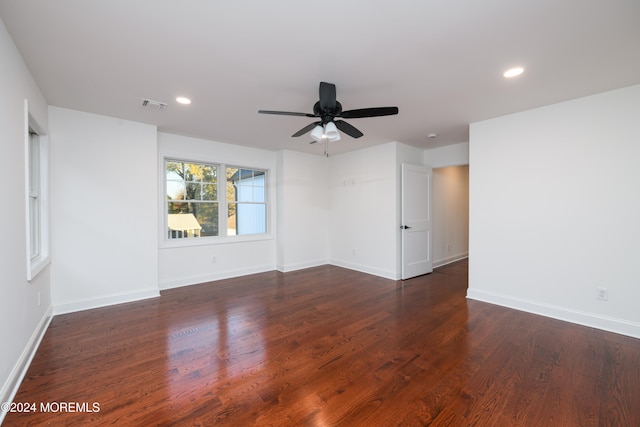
{"points": [[328, 346]]}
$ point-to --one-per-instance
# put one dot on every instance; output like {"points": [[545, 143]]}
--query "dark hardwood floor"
{"points": [[328, 347]]}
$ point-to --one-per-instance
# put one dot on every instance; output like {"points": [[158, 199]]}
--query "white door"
{"points": [[416, 221]]}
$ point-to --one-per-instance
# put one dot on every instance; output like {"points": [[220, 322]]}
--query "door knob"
{"points": [[404, 227]]}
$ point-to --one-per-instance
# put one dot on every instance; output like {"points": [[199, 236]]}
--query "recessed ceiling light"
{"points": [[183, 100], [513, 72], [432, 135]]}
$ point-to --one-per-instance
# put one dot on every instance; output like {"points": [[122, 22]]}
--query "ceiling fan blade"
{"points": [[305, 129], [285, 113], [348, 129], [368, 112], [327, 96]]}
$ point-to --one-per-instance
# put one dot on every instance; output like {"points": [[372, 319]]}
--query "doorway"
{"points": [[450, 194]]}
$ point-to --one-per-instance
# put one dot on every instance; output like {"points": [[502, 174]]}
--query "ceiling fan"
{"points": [[327, 109]]}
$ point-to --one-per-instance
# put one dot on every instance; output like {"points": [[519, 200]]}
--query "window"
{"points": [[192, 195], [208, 200], [246, 201], [36, 196]]}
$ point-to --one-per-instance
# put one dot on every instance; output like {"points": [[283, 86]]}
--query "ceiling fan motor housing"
{"points": [[327, 115]]}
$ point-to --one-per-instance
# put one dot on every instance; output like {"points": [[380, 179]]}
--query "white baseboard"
{"points": [[449, 260], [10, 387], [301, 266], [593, 320], [194, 280], [89, 303], [391, 275]]}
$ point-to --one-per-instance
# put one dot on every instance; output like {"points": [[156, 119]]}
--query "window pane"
{"points": [[175, 170], [245, 192], [34, 163], [232, 223], [246, 175], [176, 190], [259, 193], [192, 172], [231, 192], [231, 173], [209, 173], [193, 191], [192, 219], [178, 207], [250, 218], [207, 216], [245, 185], [209, 191], [34, 218], [197, 172]]}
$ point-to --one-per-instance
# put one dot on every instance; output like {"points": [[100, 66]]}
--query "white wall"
{"points": [[555, 208], [450, 155], [303, 210], [103, 210], [23, 320], [186, 263], [363, 216], [450, 214]]}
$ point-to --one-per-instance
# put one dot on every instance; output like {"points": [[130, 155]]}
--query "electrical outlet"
{"points": [[602, 294], [213, 260], [39, 302]]}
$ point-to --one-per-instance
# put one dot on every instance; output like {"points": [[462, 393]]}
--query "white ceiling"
{"points": [[439, 61]]}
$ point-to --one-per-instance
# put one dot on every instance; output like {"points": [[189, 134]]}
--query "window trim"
{"points": [[165, 242], [36, 263]]}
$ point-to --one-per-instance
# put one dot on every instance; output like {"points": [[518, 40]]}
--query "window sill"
{"points": [[208, 241], [36, 266]]}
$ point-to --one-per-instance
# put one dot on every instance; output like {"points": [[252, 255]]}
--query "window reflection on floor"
{"points": [[208, 351]]}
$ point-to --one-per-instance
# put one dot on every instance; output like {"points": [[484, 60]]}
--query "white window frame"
{"points": [[222, 203], [36, 167]]}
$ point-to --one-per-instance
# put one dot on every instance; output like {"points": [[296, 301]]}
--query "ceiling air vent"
{"points": [[149, 104]]}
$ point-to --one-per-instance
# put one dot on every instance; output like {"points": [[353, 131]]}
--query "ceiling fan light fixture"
{"points": [[317, 133], [331, 132]]}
